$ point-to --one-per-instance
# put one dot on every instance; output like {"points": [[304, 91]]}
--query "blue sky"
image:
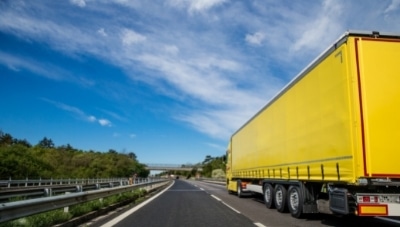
{"points": [[168, 80]]}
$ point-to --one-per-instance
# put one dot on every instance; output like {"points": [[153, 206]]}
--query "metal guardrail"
{"points": [[28, 189], [13, 210], [10, 183]]}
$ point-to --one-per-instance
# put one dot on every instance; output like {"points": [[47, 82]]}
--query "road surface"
{"points": [[196, 203]]}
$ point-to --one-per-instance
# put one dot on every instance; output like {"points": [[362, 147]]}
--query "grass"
{"points": [[58, 216]]}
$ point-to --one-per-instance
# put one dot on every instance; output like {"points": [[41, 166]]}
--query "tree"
{"points": [[18, 159], [141, 171], [67, 147], [208, 159], [132, 156], [23, 142], [46, 143], [5, 139], [213, 163]]}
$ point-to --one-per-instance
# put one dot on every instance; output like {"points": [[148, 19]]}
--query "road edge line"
{"points": [[134, 209]]}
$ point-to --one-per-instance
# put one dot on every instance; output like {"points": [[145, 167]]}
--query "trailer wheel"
{"points": [[269, 196], [295, 201], [280, 198], [239, 190]]}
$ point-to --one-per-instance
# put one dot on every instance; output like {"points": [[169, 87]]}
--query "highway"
{"points": [[196, 203], [183, 204]]}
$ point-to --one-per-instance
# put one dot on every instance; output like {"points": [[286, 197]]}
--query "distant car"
{"points": [[177, 177]]}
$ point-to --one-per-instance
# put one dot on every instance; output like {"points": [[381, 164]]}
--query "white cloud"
{"points": [[197, 5], [114, 115], [105, 122], [91, 118], [65, 37], [102, 32], [78, 113], [130, 37], [394, 5], [326, 22], [256, 38], [80, 3], [201, 5], [43, 69], [171, 49], [221, 123], [198, 78], [17, 63]]}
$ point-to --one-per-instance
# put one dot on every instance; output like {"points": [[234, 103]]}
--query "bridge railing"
{"points": [[186, 167], [173, 165]]}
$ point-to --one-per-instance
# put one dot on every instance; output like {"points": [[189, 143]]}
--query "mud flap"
{"points": [[338, 202]]}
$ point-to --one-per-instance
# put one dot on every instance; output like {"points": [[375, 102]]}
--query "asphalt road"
{"points": [[255, 209], [196, 203], [182, 205]]}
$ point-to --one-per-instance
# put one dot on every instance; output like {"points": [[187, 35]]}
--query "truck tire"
{"points": [[269, 195], [280, 198], [239, 190], [295, 201]]}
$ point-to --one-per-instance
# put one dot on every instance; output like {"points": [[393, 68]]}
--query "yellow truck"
{"points": [[329, 141]]}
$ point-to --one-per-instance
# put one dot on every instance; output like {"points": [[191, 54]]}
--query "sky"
{"points": [[168, 80]]}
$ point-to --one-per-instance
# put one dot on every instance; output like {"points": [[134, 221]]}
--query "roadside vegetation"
{"points": [[58, 216], [214, 167], [19, 160]]}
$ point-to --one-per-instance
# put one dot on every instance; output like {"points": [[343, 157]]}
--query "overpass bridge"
{"points": [[177, 167]]}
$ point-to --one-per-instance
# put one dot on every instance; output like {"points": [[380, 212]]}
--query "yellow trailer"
{"points": [[330, 140]]}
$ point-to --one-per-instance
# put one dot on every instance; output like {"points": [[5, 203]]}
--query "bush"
{"points": [[218, 173], [40, 220], [49, 218]]}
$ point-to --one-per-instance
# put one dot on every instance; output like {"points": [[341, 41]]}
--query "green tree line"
{"points": [[211, 164], [19, 159]]}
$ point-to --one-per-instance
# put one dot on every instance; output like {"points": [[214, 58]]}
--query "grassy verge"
{"points": [[58, 216]]}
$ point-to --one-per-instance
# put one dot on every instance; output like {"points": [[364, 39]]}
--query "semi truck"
{"points": [[329, 141]]}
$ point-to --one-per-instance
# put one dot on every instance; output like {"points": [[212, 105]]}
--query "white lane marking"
{"points": [[388, 220], [218, 199], [202, 189], [134, 209], [231, 207]]}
